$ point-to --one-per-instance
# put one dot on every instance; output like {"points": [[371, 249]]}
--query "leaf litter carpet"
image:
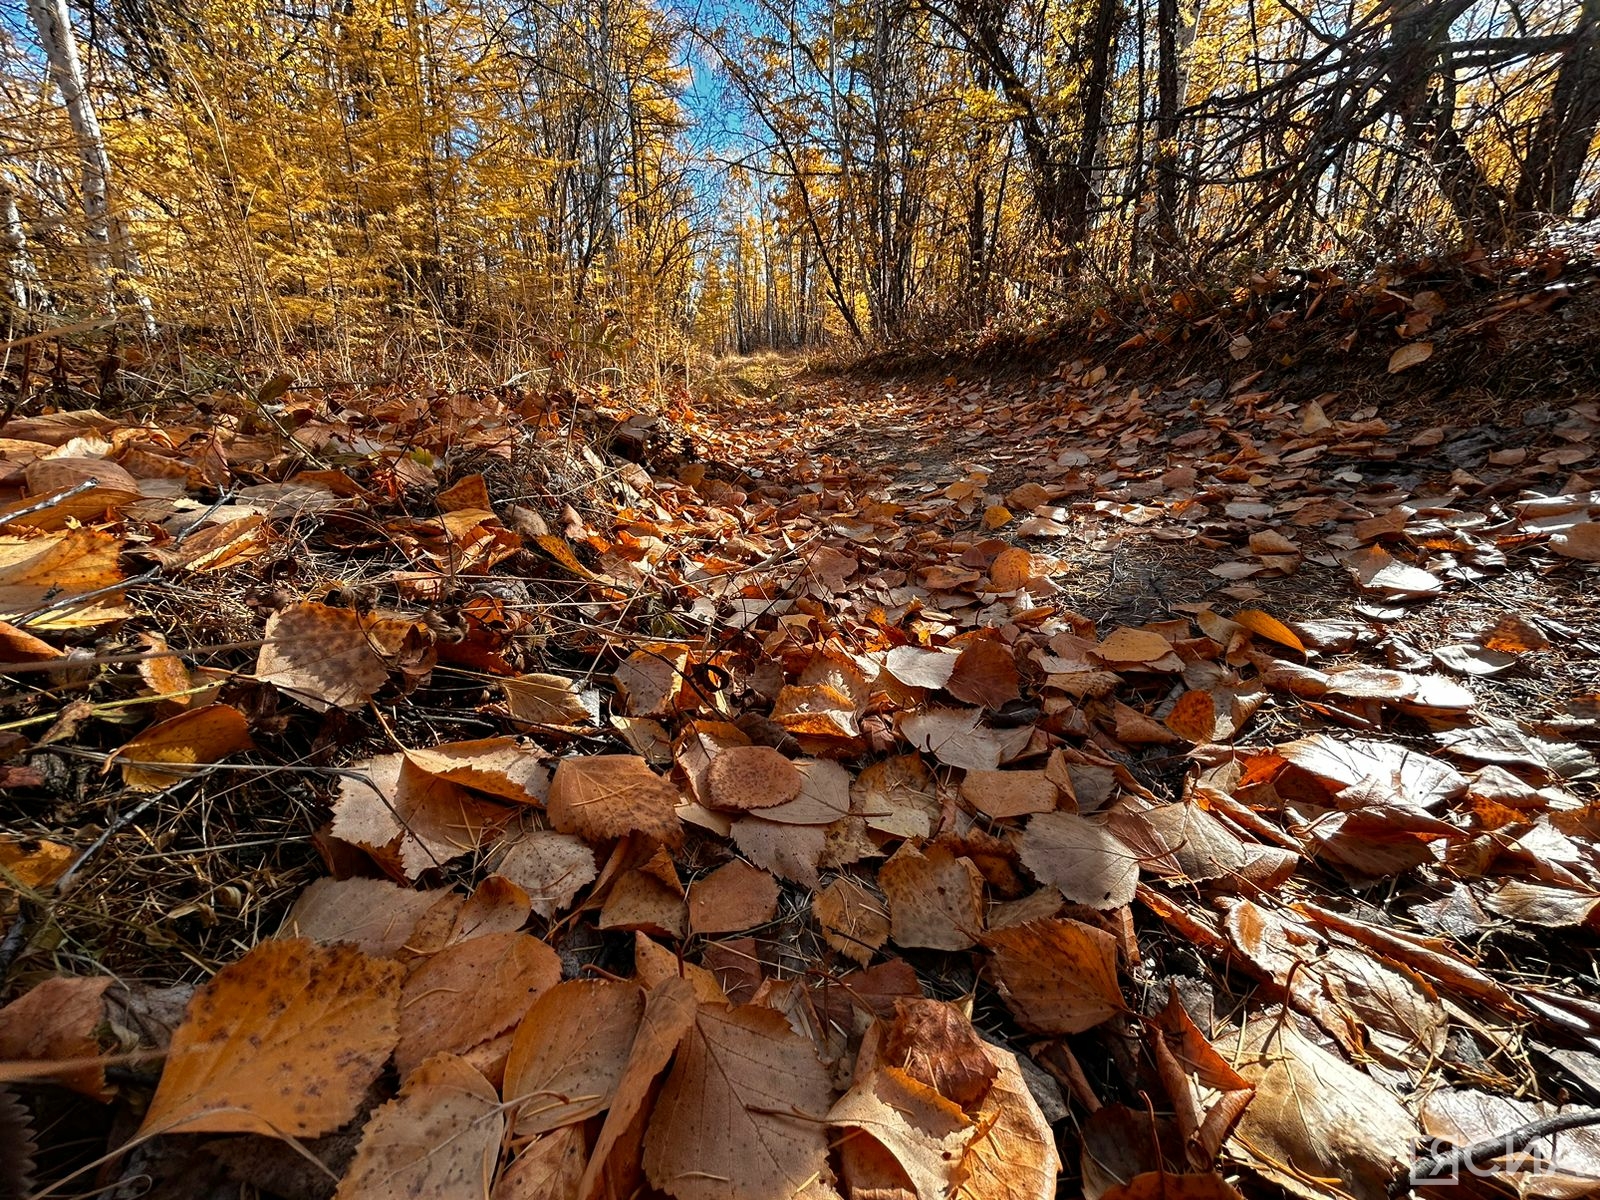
{"points": [[991, 787]]}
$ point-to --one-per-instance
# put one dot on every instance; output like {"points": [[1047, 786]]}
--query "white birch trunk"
{"points": [[21, 282], [105, 241]]}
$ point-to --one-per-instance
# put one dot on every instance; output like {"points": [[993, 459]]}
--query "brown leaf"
{"points": [[651, 677], [918, 667], [751, 777], [669, 1013], [1316, 1117], [853, 920], [1410, 355], [1057, 976], [321, 656], [985, 675], [394, 803], [439, 1138], [548, 1168], [1267, 626], [732, 898], [741, 1113], [286, 1012], [545, 700], [607, 796], [924, 1133], [57, 1021], [935, 898], [1134, 647], [570, 1051], [551, 867], [35, 571], [469, 992], [1004, 794], [1080, 857], [373, 915], [1016, 1157], [1580, 541], [169, 750], [501, 766]]}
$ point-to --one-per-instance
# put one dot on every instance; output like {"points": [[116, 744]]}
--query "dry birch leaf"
{"points": [[925, 1133], [394, 803], [853, 920], [500, 766], [570, 1051], [669, 1011], [608, 796], [1057, 976], [170, 749], [467, 993], [286, 1012], [439, 1138], [935, 898], [373, 915], [56, 1021], [745, 777], [321, 656], [1079, 857], [741, 1113], [732, 898]]}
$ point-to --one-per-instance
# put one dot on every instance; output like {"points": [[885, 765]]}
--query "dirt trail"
{"points": [[1161, 495]]}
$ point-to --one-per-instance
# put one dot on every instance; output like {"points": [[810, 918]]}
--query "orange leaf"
{"points": [[1269, 627], [286, 1012], [205, 735], [1058, 975], [723, 1125], [608, 796]]}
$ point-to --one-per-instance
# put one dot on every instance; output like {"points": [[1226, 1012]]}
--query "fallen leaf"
{"points": [[58, 1020], [287, 1011], [569, 1052], [935, 898], [169, 750], [502, 766], [1057, 975], [741, 778], [440, 1137], [373, 915], [924, 1133], [1410, 355], [853, 920], [545, 700], [321, 656], [469, 992], [1316, 1117], [388, 802], [607, 796], [732, 898], [742, 1111], [1079, 857], [550, 867]]}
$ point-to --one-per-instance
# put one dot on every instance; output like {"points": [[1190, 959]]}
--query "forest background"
{"points": [[561, 185]]}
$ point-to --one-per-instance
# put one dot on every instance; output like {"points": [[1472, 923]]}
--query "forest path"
{"points": [[1155, 496]]}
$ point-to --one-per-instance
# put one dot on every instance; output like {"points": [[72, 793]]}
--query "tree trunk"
{"points": [[1567, 126], [104, 240], [21, 283]]}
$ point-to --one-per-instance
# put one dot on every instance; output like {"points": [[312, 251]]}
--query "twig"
{"points": [[1513, 1141], [64, 884], [77, 489]]}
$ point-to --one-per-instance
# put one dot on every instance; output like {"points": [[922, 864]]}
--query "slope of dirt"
{"points": [[991, 784]]}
